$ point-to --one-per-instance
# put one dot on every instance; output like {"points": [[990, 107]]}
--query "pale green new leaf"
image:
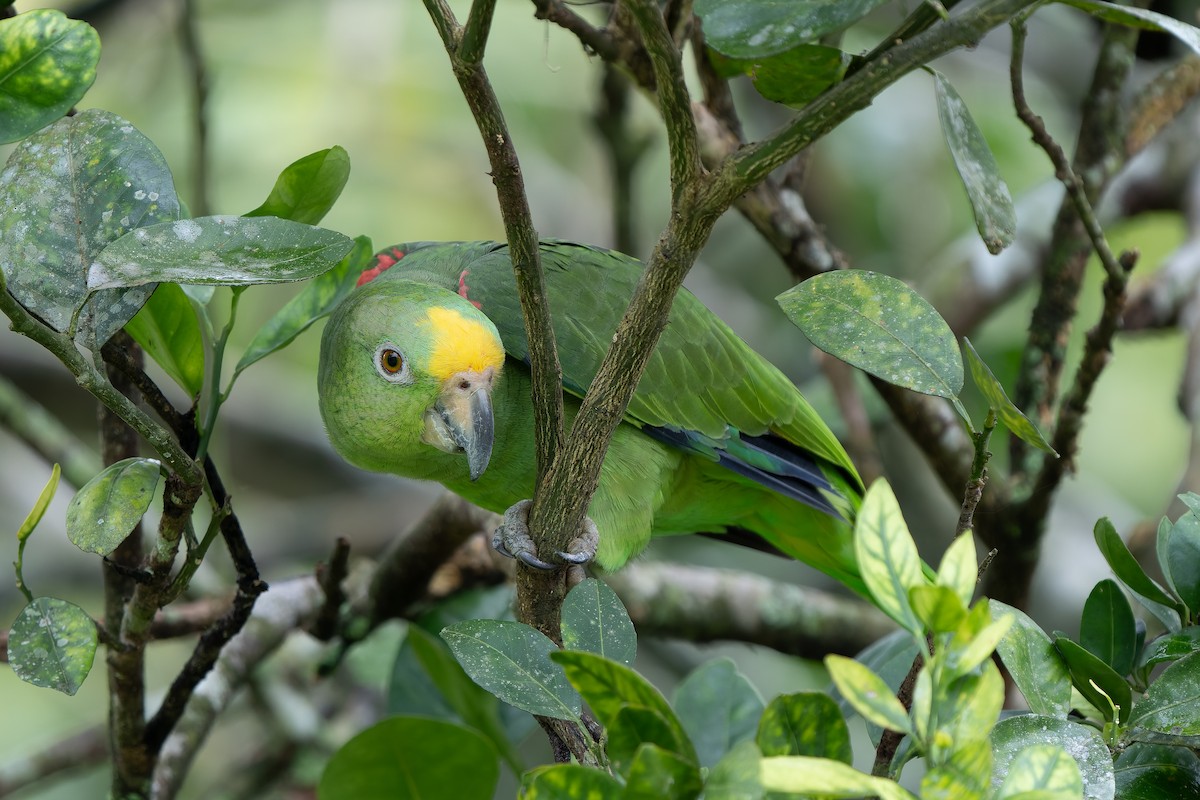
{"points": [[39, 508], [959, 569], [868, 694], [887, 555], [826, 778]]}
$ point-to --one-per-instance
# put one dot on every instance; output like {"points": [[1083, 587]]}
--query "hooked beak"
{"points": [[461, 420]]}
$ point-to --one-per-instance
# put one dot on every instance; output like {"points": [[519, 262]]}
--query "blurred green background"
{"points": [[289, 78]]}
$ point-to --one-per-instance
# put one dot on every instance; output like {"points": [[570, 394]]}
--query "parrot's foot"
{"points": [[512, 539]]}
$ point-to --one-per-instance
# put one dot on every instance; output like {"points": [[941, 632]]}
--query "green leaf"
{"points": [[718, 708], [1172, 700], [511, 660], [938, 607], [52, 643], [411, 758], [608, 687], [167, 330], [887, 555], [1013, 735], [568, 782], [804, 724], [47, 63], [39, 508], [1107, 629], [868, 694], [890, 658], [998, 401], [1086, 670], [1154, 772], [824, 777], [657, 774], [1126, 567], [959, 569], [793, 77], [104, 512], [636, 726], [995, 216], [427, 681], [961, 711], [735, 777], [964, 656], [594, 620], [221, 250], [1181, 566], [754, 28], [80, 184], [316, 300], [308, 188], [1170, 647], [965, 775], [1034, 663], [880, 325], [1140, 18], [1042, 768]]}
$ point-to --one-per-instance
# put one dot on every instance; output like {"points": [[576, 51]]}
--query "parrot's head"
{"points": [[406, 376]]}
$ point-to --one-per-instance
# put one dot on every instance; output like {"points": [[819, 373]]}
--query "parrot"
{"points": [[424, 373]]}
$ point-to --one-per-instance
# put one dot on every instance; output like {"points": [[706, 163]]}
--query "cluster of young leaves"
{"points": [[93, 239], [1139, 697]]}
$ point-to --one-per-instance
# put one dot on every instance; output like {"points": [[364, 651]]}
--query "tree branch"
{"points": [[706, 605], [46, 435]]}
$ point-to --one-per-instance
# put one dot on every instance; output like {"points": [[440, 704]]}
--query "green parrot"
{"points": [[424, 373]]}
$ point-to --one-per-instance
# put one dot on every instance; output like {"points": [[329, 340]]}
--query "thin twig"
{"points": [[330, 576], [979, 476]]}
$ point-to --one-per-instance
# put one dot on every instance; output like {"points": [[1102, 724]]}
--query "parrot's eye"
{"points": [[391, 364]]}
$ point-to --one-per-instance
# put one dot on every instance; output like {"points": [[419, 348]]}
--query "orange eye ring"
{"points": [[391, 361]]}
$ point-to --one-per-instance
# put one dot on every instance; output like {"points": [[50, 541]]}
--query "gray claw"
{"points": [[512, 540]]}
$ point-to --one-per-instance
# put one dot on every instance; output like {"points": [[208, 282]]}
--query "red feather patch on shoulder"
{"points": [[462, 289], [384, 260]]}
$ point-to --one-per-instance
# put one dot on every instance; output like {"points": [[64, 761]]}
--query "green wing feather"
{"points": [[701, 378]]}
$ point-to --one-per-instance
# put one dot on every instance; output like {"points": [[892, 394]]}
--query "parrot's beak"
{"points": [[461, 419]]}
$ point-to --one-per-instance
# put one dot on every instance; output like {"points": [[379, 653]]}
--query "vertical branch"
{"points": [[625, 150], [194, 58], [518, 224], [126, 663], [1099, 152]]}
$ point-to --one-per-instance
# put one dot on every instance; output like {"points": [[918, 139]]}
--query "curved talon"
{"points": [[512, 540], [576, 558], [529, 559]]}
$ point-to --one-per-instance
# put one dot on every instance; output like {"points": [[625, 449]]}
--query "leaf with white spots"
{"points": [[47, 62], [104, 512], [220, 250], [1014, 735], [1141, 18], [52, 643], [991, 202], [593, 619], [880, 325], [512, 661], [752, 28], [65, 193]]}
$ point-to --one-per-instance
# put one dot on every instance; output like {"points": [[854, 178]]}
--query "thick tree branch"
{"points": [[84, 750], [707, 605], [289, 606]]}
